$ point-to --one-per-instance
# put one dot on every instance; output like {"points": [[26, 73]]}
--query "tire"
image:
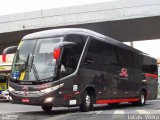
{"points": [[87, 102], [47, 108], [142, 100]]}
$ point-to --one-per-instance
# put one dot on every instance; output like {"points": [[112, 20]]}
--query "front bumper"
{"points": [[58, 100], [4, 97], [37, 100]]}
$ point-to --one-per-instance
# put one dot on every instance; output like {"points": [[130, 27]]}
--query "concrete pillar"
{"points": [[131, 44]]}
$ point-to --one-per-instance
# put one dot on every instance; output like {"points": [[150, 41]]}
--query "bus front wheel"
{"points": [[87, 102], [47, 108]]}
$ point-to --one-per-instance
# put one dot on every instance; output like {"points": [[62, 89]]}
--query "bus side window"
{"points": [[79, 44], [95, 57], [68, 62], [126, 58]]}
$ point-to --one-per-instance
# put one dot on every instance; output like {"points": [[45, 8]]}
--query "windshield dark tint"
{"points": [[34, 59]]}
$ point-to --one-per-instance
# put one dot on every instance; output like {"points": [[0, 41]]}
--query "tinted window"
{"points": [[111, 55], [95, 56], [100, 55], [149, 65], [80, 41], [138, 61], [126, 58]]}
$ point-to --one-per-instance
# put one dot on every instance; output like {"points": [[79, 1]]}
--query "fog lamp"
{"points": [[48, 100], [10, 98]]}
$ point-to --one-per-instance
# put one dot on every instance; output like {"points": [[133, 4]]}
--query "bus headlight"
{"points": [[47, 90], [51, 89], [10, 89]]}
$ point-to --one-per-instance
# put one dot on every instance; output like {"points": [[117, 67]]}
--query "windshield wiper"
{"points": [[32, 65], [26, 63], [35, 72]]}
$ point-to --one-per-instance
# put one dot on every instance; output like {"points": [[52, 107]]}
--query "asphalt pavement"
{"points": [[124, 111]]}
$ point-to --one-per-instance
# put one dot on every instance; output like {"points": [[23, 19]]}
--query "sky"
{"points": [[19, 6], [151, 47]]}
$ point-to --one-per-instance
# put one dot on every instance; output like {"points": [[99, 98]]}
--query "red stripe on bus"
{"points": [[151, 75], [117, 101]]}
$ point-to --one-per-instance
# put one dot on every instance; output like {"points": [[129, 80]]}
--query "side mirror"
{"points": [[8, 50], [57, 50]]}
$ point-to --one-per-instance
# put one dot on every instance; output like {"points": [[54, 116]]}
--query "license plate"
{"points": [[25, 100]]}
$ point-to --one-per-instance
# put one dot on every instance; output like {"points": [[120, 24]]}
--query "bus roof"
{"points": [[60, 32], [81, 31]]}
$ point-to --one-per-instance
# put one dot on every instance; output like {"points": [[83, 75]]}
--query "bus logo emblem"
{"points": [[123, 72]]}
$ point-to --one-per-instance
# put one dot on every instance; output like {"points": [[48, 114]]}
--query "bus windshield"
{"points": [[34, 60]]}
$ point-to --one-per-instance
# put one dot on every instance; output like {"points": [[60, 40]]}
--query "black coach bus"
{"points": [[78, 67]]}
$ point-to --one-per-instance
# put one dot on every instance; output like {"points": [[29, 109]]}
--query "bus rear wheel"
{"points": [[87, 102], [47, 108], [142, 99]]}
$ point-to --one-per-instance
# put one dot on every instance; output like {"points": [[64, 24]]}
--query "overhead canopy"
{"points": [[122, 30]]}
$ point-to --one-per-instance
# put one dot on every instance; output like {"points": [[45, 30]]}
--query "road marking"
{"points": [[98, 112], [92, 112], [153, 100], [4, 112], [89, 113], [143, 112], [118, 114]]}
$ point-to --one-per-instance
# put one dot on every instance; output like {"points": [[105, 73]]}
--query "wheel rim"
{"points": [[88, 100], [142, 99]]}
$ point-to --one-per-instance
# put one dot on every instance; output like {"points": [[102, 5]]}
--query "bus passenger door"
{"points": [[67, 75], [68, 65], [67, 62]]}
